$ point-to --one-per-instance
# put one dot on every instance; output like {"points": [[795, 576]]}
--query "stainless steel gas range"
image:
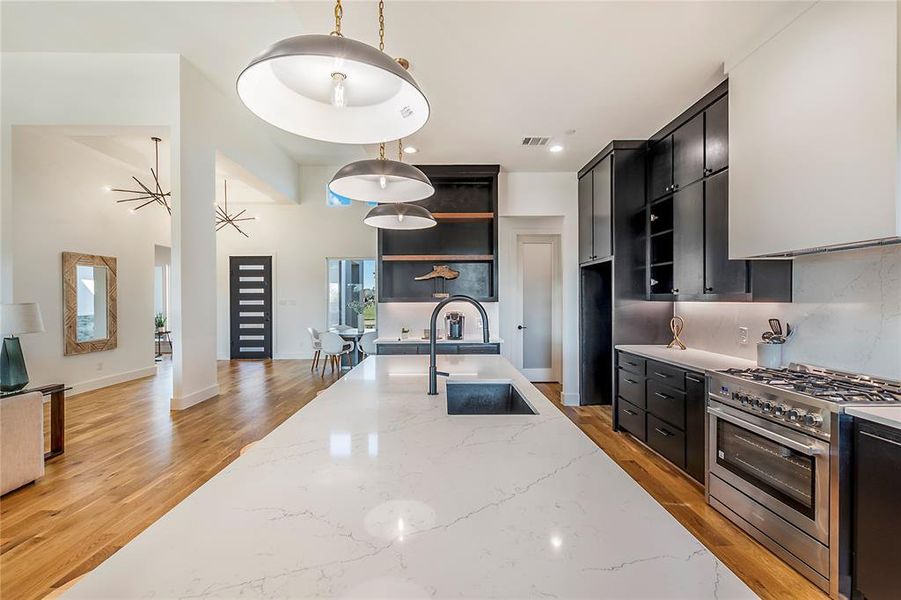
{"points": [[778, 461]]}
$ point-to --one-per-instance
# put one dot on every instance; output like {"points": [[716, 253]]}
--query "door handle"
{"points": [[763, 432], [521, 327]]}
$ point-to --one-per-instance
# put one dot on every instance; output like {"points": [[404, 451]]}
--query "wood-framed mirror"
{"points": [[89, 303]]}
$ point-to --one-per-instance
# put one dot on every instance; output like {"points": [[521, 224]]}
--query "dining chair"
{"points": [[367, 343], [317, 348], [334, 347]]}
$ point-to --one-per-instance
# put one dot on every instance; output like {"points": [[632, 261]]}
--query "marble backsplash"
{"points": [[846, 315]]}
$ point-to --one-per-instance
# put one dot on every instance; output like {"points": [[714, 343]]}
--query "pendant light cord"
{"points": [[400, 150], [339, 12], [382, 151]]}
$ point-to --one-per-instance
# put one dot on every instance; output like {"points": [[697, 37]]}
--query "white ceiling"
{"points": [[493, 71]]}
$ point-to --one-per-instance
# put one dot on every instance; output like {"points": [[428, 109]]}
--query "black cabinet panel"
{"points": [[442, 348], [631, 418], [630, 362], [721, 275], [602, 203], [631, 387], [663, 373], [666, 403], [688, 241], [877, 518], [716, 136], [666, 440], [695, 418], [586, 217], [660, 168], [688, 153]]}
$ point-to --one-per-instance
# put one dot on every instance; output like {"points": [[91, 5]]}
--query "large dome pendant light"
{"points": [[334, 89]]}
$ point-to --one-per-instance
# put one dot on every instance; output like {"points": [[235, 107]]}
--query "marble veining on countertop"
{"points": [[884, 415], [699, 360], [373, 490], [467, 339]]}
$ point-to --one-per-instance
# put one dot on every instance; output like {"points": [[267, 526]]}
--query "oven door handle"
{"points": [[770, 435]]}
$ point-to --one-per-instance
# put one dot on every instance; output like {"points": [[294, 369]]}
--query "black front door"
{"points": [[250, 282]]}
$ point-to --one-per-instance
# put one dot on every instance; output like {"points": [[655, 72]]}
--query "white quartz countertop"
{"points": [[373, 490], [884, 415], [467, 339], [699, 360]]}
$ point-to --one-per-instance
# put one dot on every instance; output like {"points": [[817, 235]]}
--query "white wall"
{"points": [[60, 205], [846, 315], [393, 316], [300, 238], [543, 195]]}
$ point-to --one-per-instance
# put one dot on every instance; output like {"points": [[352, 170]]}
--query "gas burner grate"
{"points": [[827, 385]]}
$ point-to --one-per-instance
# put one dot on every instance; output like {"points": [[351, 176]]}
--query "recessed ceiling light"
{"points": [[555, 148], [410, 150]]}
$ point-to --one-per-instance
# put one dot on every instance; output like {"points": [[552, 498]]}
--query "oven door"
{"points": [[782, 469]]}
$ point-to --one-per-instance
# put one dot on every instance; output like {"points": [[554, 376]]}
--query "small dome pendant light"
{"points": [[333, 89], [382, 180], [398, 215]]}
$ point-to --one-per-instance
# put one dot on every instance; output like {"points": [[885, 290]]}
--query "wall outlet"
{"points": [[743, 336]]}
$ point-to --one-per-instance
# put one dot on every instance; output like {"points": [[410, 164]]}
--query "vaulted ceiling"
{"points": [[494, 72]]}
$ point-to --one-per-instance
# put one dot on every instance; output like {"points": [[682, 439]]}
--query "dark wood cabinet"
{"points": [[876, 525], [602, 208], [596, 212], [716, 136], [688, 241], [688, 153], [721, 275], [660, 168], [442, 348], [663, 406], [586, 216]]}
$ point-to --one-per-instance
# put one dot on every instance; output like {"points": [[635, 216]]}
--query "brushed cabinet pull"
{"points": [[664, 375], [629, 412], [696, 380], [664, 396], [663, 432]]}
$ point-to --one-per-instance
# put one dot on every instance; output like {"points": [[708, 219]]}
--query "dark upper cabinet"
{"points": [[716, 136], [876, 521], [602, 203], [721, 275], [688, 241], [688, 153], [660, 168], [586, 218]]}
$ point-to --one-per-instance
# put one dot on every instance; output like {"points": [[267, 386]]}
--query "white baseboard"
{"points": [[194, 398], [570, 399], [279, 356], [102, 382]]}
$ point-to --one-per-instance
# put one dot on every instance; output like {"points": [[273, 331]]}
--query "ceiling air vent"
{"points": [[535, 141]]}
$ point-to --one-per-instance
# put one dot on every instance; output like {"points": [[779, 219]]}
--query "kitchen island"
{"points": [[373, 490]]}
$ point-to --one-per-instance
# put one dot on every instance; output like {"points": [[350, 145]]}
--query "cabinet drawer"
{"points": [[439, 348], [631, 387], [668, 441], [671, 376], [630, 362], [666, 403], [478, 349], [631, 418], [397, 348]]}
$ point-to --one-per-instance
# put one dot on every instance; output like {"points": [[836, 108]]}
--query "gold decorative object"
{"points": [[676, 325], [439, 273]]}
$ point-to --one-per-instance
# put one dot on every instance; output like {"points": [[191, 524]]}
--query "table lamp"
{"points": [[16, 319]]}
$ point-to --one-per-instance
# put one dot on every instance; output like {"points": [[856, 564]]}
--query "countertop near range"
{"points": [[889, 416], [373, 490], [467, 339], [698, 360]]}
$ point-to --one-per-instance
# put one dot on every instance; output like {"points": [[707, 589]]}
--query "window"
{"points": [[352, 292]]}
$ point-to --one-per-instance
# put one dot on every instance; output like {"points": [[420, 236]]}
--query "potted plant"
{"points": [[361, 306], [160, 322]]}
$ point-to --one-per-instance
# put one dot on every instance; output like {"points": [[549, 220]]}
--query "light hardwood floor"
{"points": [[760, 569], [129, 460]]}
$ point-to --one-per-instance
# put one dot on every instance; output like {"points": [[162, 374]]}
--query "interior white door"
{"points": [[536, 339]]}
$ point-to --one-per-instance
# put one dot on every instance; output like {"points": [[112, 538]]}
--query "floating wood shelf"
{"points": [[436, 257], [463, 217]]}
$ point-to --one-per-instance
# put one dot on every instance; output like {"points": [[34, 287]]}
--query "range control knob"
{"points": [[767, 406], [743, 398], [758, 403], [780, 410], [795, 415], [813, 420]]}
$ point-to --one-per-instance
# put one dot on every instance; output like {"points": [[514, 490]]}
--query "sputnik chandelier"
{"points": [[224, 218], [148, 194]]}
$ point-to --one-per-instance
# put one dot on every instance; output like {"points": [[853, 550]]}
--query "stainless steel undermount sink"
{"points": [[485, 398]]}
